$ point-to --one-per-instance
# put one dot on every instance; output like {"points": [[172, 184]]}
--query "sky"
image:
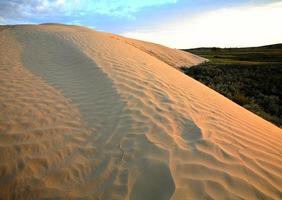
{"points": [[174, 23]]}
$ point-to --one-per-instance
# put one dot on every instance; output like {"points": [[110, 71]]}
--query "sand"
{"points": [[92, 115]]}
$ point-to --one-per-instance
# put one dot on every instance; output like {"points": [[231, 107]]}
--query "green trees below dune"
{"points": [[251, 77]]}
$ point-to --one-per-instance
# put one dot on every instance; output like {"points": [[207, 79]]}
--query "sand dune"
{"points": [[172, 57], [92, 115]]}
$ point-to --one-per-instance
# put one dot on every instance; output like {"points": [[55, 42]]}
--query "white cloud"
{"points": [[20, 10], [238, 26]]}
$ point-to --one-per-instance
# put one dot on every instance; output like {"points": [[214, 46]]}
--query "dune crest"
{"points": [[93, 115], [173, 57]]}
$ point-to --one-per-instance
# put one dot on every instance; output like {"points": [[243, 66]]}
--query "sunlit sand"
{"points": [[92, 115]]}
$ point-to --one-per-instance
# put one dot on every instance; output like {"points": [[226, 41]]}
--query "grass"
{"points": [[251, 77]]}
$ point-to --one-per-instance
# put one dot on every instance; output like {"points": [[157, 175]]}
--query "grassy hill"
{"points": [[251, 77]]}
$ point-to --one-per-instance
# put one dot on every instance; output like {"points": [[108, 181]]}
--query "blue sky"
{"points": [[169, 22]]}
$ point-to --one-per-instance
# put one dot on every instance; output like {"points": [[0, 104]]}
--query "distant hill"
{"points": [[251, 77], [271, 46]]}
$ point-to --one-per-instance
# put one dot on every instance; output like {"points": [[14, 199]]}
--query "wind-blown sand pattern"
{"points": [[91, 115]]}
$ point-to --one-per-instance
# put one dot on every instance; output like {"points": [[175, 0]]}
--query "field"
{"points": [[251, 77]]}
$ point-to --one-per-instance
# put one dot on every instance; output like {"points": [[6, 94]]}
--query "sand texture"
{"points": [[92, 115]]}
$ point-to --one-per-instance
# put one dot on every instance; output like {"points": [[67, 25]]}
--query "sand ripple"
{"points": [[111, 119]]}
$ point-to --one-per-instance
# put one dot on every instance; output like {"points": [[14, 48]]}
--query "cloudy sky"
{"points": [[175, 23]]}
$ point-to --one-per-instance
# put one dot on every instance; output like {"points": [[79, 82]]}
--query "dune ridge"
{"points": [[91, 115], [173, 57]]}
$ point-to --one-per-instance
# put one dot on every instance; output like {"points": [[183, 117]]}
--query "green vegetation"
{"points": [[251, 77]]}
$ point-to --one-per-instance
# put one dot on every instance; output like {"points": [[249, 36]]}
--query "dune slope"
{"points": [[91, 115]]}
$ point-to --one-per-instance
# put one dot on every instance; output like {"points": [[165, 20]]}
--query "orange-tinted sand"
{"points": [[92, 115]]}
